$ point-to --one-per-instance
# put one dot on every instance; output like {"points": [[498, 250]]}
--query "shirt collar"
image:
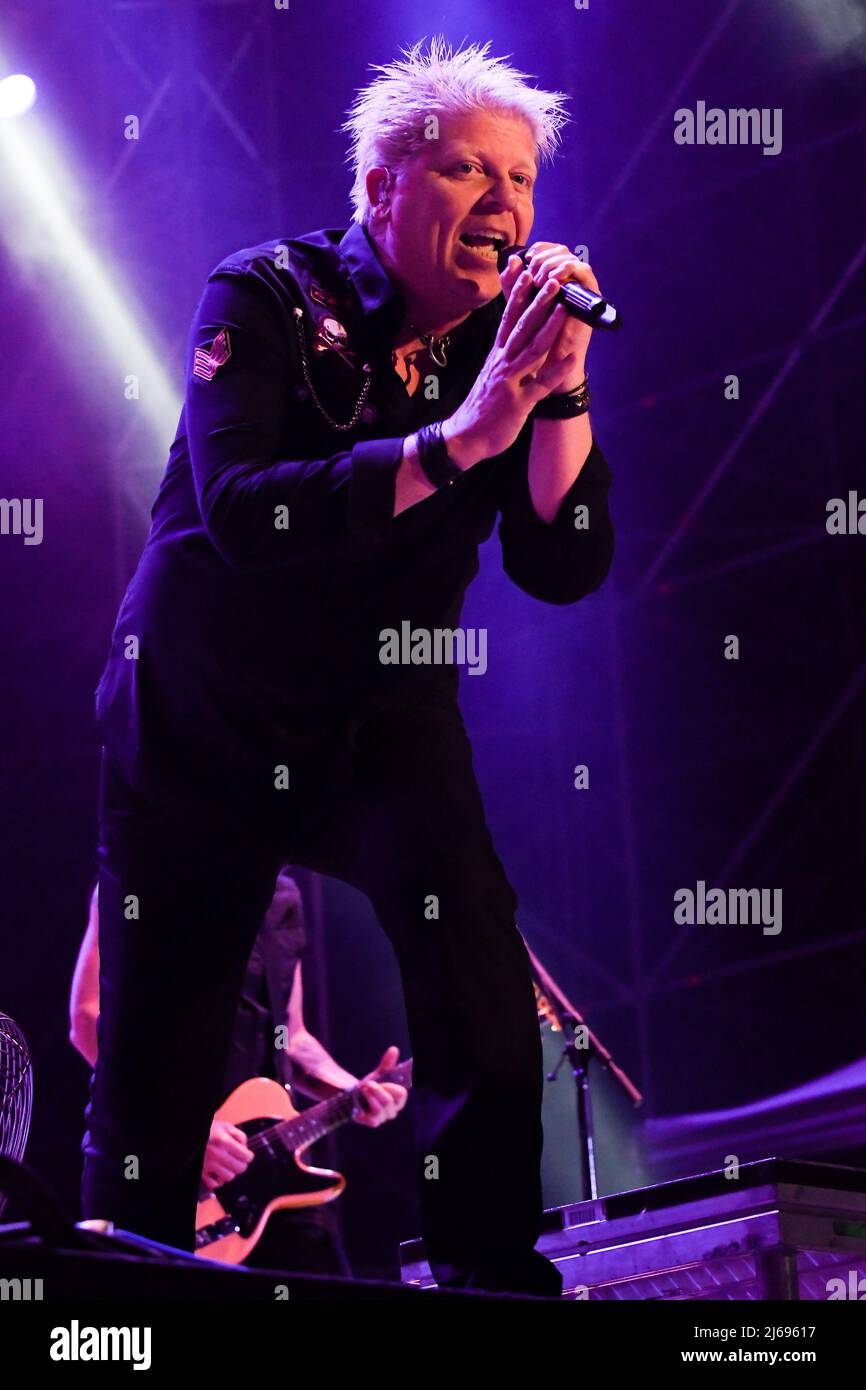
{"points": [[370, 278]]}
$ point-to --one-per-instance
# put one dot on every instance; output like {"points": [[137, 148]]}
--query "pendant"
{"points": [[436, 347]]}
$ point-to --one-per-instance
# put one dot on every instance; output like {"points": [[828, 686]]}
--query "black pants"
{"points": [[389, 805]]}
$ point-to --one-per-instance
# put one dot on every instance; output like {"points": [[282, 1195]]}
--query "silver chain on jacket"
{"points": [[359, 404]]}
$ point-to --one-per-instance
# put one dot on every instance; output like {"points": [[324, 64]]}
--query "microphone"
{"points": [[582, 303]]}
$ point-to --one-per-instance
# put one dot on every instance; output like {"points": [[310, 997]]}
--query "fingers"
{"points": [[519, 283], [215, 1174], [389, 1058], [530, 305], [386, 1062], [509, 275], [379, 1099], [399, 1095], [227, 1153], [227, 1156], [547, 259], [533, 358], [553, 375], [382, 1100], [548, 264], [238, 1135], [534, 326], [227, 1140]]}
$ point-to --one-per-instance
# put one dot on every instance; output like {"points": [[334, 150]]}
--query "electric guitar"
{"points": [[230, 1220]]}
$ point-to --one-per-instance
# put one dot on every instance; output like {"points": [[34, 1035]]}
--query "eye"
{"points": [[527, 181], [467, 165]]}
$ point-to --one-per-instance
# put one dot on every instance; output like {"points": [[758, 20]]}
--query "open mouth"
{"points": [[486, 246]]}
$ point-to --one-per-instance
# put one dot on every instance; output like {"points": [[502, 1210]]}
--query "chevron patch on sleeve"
{"points": [[207, 361]]}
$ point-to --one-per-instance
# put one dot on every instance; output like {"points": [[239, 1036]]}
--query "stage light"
{"points": [[838, 26], [43, 227], [17, 95]]}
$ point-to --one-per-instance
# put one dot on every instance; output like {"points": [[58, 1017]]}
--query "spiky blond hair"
{"points": [[386, 121]]}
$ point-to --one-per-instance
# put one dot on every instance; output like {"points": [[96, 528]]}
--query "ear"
{"points": [[378, 183]]}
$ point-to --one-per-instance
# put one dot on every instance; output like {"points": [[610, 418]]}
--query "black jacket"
{"points": [[274, 559]]}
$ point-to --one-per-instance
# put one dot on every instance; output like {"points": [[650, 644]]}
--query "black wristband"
{"points": [[563, 405], [433, 456]]}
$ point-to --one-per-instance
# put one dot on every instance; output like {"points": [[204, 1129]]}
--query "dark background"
{"points": [[742, 773]]}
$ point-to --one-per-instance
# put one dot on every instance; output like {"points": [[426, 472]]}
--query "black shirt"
{"points": [[270, 976], [246, 628]]}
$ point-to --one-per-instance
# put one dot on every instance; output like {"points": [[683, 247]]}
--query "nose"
{"points": [[502, 194]]}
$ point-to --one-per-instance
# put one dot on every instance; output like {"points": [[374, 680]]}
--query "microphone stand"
{"points": [[556, 1008]]}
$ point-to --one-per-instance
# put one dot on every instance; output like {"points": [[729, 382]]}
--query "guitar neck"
{"points": [[329, 1115]]}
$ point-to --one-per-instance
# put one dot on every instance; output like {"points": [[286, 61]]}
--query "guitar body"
{"points": [[229, 1222]]}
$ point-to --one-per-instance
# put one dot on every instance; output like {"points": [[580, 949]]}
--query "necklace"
{"points": [[436, 346]]}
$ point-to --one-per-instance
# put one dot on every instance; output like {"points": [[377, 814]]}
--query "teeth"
{"points": [[490, 253]]}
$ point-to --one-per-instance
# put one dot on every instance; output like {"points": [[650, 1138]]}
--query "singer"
{"points": [[360, 408]]}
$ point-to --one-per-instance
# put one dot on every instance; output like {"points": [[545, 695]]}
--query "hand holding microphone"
{"points": [[539, 349], [579, 295]]}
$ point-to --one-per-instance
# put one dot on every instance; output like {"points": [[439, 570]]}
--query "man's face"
{"points": [[477, 178]]}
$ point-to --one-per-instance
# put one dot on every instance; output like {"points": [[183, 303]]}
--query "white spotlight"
{"points": [[17, 95]]}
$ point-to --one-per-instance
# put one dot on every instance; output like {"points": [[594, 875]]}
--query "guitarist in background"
{"points": [[306, 1241]]}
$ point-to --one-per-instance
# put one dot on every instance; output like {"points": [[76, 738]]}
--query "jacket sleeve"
{"points": [[236, 423], [565, 559]]}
